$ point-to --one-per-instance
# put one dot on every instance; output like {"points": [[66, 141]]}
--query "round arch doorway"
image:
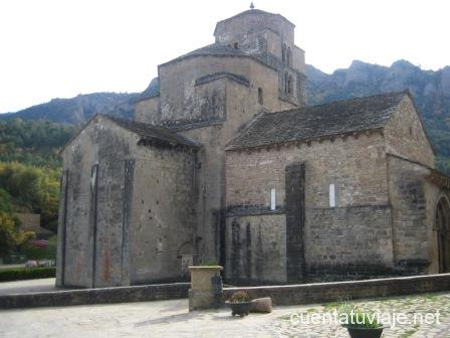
{"points": [[443, 234]]}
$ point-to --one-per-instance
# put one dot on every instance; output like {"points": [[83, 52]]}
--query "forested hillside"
{"points": [[33, 142], [29, 172]]}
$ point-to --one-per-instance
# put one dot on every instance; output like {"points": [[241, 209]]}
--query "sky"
{"points": [[62, 48]]}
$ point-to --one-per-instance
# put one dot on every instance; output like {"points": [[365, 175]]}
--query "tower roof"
{"points": [[251, 12]]}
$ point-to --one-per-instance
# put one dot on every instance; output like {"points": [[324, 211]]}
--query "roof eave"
{"points": [[306, 140]]}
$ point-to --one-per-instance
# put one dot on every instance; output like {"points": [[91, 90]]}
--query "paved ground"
{"points": [[171, 319], [28, 286]]}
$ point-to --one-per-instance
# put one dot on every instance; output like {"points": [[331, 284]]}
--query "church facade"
{"points": [[227, 163]]}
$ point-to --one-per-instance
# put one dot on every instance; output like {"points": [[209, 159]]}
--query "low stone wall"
{"points": [[280, 294], [339, 291], [141, 293]]}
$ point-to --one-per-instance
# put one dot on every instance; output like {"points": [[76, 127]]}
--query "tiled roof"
{"points": [[329, 119], [214, 49], [151, 132]]}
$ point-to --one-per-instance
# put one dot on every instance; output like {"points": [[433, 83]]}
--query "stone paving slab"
{"points": [[172, 319]]}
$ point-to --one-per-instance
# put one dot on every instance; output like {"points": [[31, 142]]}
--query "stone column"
{"points": [[201, 293]]}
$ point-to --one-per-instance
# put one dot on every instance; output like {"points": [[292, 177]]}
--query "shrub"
{"points": [[11, 237], [240, 297], [33, 252], [26, 273]]}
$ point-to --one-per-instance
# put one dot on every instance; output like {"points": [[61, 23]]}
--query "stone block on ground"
{"points": [[262, 305]]}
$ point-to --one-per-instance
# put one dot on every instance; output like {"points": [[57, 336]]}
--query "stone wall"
{"points": [[91, 224], [350, 240], [256, 249], [163, 213], [357, 167], [144, 293], [236, 28], [181, 100], [410, 227], [405, 135], [127, 209], [241, 106], [339, 291], [147, 110], [348, 243]]}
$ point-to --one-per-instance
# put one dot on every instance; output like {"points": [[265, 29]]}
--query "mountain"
{"points": [[81, 108], [430, 89]]}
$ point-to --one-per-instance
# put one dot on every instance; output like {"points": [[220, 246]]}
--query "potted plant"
{"points": [[363, 325], [240, 303]]}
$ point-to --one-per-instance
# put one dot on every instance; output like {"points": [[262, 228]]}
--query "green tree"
{"points": [[5, 202], [11, 237], [32, 188]]}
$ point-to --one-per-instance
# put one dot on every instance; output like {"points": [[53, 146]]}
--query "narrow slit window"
{"points": [[289, 85], [273, 202], [332, 196], [260, 96], [288, 57]]}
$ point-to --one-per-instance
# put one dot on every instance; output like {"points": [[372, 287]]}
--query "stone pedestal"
{"points": [[201, 293]]}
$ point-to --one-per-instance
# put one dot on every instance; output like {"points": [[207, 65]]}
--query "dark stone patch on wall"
{"points": [[259, 256], [93, 218], [295, 222], [248, 247], [222, 239], [127, 205], [236, 250], [64, 188]]}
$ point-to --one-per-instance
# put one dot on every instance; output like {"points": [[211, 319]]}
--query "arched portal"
{"points": [[443, 234]]}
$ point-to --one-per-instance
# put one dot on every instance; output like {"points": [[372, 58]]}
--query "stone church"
{"points": [[227, 163]]}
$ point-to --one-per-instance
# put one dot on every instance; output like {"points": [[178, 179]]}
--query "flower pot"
{"points": [[364, 332], [241, 309]]}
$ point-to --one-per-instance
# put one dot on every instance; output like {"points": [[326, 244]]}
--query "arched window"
{"points": [[260, 96], [236, 45], [288, 57], [283, 53]]}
